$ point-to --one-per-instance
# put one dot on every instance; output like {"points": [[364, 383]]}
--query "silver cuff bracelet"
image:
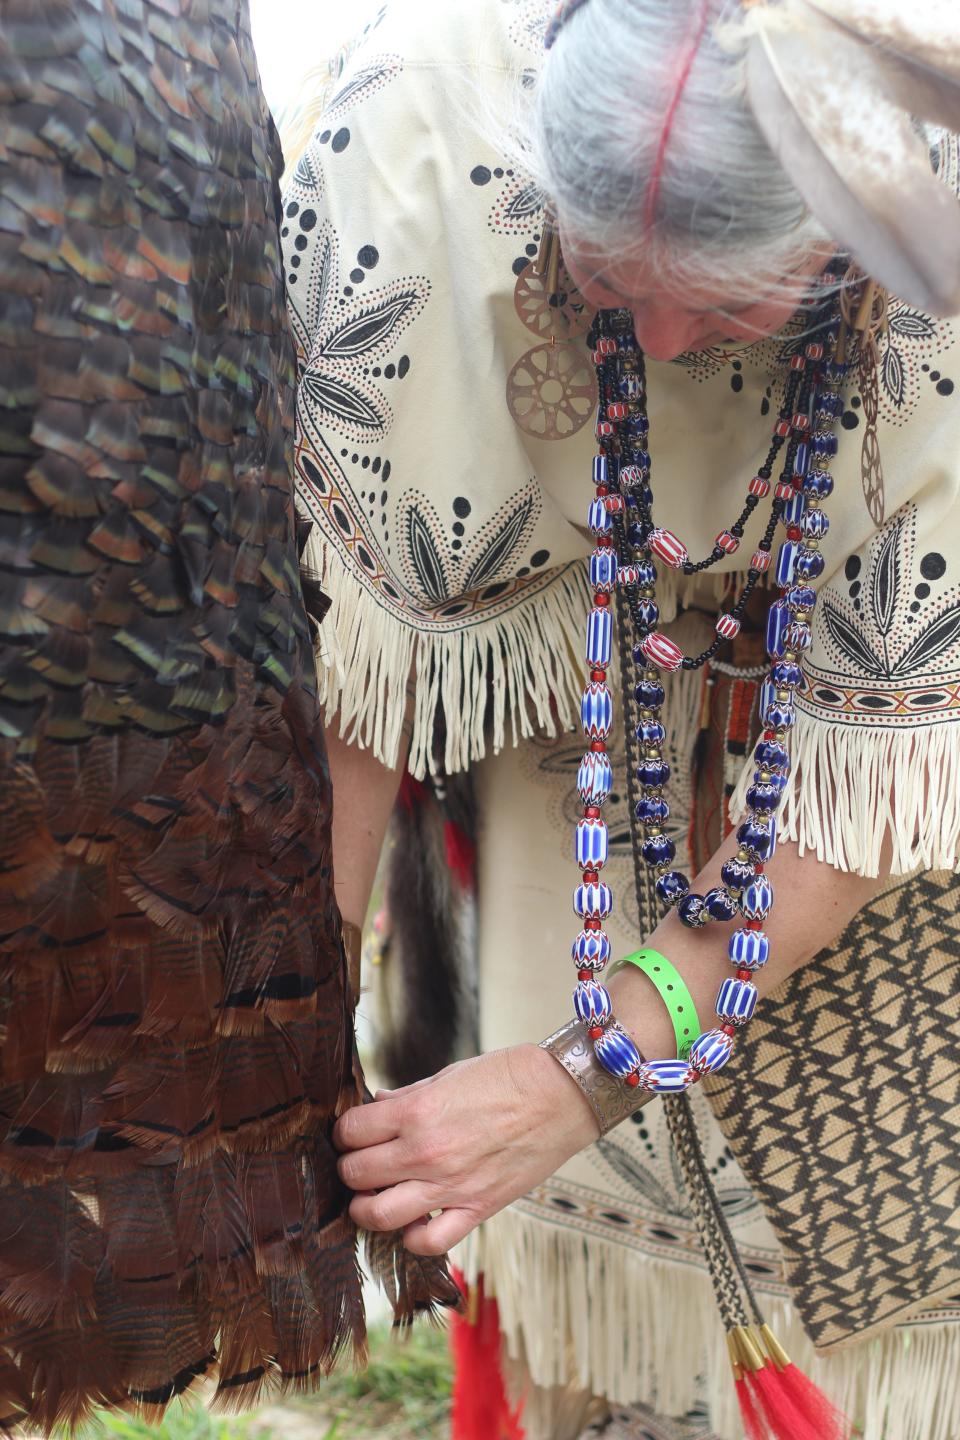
{"points": [[610, 1101]]}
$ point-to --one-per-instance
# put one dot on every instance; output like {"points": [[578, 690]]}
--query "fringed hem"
{"points": [[522, 670], [638, 1330], [852, 787]]}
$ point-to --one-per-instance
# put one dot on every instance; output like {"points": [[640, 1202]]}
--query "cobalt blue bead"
{"points": [[786, 562], [592, 843], [650, 694], [591, 949], [594, 778], [651, 732], [671, 887], [641, 458], [801, 459], [758, 836], [818, 485], [667, 1077], [768, 695], [637, 427], [798, 635], [780, 715], [749, 949], [637, 533], [801, 597], [592, 1003], [764, 798], [794, 508], [830, 406], [646, 572], [786, 675], [736, 873], [598, 518], [824, 443], [810, 564], [628, 385], [594, 900], [599, 637], [603, 570], [815, 524], [658, 850], [719, 905], [757, 900], [648, 613], [777, 621], [691, 911], [652, 811], [772, 755], [737, 1000], [617, 1053], [596, 710], [653, 773], [711, 1051], [601, 470]]}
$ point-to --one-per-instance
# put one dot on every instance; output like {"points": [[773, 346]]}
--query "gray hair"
{"points": [[727, 214]]}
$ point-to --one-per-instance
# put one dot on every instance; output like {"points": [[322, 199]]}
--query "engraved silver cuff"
{"points": [[610, 1101]]}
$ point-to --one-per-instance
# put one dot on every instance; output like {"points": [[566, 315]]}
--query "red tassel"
{"points": [[480, 1409], [461, 855], [753, 1426], [781, 1412], [827, 1421]]}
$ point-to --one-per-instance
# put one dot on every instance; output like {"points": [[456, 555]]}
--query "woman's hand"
{"points": [[465, 1142]]}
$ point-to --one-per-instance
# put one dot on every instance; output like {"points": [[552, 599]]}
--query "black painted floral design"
{"points": [[489, 559]]}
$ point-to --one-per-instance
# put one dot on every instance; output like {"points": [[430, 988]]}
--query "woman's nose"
{"points": [[664, 334]]}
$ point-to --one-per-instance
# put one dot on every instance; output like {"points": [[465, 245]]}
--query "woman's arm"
{"points": [[484, 1132]]}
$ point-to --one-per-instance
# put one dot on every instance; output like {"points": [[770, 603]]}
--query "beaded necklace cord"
{"points": [[628, 546]]}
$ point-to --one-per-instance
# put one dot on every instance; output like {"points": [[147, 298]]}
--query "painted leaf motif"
{"points": [[849, 640], [912, 324], [642, 1181], [324, 260], [886, 580], [526, 202], [308, 172], [931, 642], [496, 552], [368, 330], [894, 376], [357, 86], [338, 398], [425, 557]]}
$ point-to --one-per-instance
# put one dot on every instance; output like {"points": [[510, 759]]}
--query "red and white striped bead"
{"points": [[728, 543], [760, 560], [618, 410], [759, 487], [662, 652], [670, 550], [784, 490], [728, 626]]}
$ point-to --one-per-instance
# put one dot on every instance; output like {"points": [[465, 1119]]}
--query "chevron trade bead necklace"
{"points": [[628, 547]]}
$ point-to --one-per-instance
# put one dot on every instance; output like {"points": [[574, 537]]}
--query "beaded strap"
{"points": [[672, 989], [629, 544]]}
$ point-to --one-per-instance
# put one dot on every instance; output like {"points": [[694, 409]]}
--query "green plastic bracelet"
{"points": [[674, 994]]}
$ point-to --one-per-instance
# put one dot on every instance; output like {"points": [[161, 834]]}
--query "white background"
{"points": [[294, 36]]}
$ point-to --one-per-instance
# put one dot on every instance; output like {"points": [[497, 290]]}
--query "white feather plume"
{"points": [[824, 101]]}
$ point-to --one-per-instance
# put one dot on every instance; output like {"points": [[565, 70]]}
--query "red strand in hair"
{"points": [[683, 75]]}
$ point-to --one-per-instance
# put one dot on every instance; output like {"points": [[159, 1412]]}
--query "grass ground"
{"points": [[404, 1394]]}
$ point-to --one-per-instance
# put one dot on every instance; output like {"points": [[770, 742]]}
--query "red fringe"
{"points": [[827, 1421], [753, 1426], [480, 1410]]}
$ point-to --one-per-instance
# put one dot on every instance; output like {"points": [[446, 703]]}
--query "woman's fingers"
{"points": [[435, 1235], [367, 1125], [375, 1167], [394, 1208]]}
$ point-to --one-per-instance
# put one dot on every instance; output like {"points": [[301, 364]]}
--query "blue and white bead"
{"points": [[593, 901], [780, 714], [651, 732], [599, 520], [591, 950], [786, 562], [594, 778], [719, 903], [671, 887], [815, 524], [658, 850], [749, 949], [599, 637], [711, 1051], [758, 835], [596, 710], [810, 564], [603, 570], [778, 619], [591, 1001], [667, 1077], [617, 1053], [756, 901], [736, 1001], [652, 810], [592, 844]]}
